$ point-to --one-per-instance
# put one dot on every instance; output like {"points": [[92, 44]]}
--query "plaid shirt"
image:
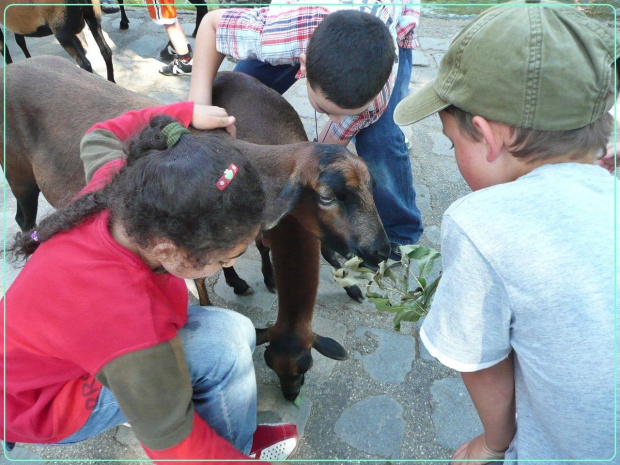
{"points": [[280, 34]]}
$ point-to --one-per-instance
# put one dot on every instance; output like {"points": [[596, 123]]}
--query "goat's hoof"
{"points": [[355, 293], [124, 25], [246, 290], [271, 285]]}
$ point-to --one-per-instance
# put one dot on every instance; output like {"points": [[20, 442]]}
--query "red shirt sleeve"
{"points": [[132, 122], [202, 443]]}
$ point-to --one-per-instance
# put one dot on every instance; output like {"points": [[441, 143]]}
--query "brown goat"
{"points": [[64, 22], [325, 189]]}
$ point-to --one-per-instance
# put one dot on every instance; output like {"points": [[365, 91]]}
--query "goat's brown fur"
{"points": [[39, 18], [42, 152]]}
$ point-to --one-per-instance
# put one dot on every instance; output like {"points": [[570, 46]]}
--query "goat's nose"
{"points": [[382, 249]]}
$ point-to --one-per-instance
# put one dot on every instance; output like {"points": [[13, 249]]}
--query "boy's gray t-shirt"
{"points": [[529, 267]]}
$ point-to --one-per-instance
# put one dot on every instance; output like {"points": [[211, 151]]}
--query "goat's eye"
{"points": [[327, 199]]}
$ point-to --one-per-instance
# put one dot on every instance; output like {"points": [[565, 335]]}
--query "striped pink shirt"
{"points": [[280, 34]]}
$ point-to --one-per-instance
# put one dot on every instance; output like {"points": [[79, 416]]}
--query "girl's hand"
{"points": [[476, 449], [209, 117]]}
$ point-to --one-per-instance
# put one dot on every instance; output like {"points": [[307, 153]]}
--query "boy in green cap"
{"points": [[525, 309]]}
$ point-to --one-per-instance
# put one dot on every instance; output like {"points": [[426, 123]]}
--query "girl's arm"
{"points": [[153, 388], [103, 142], [207, 59], [492, 392]]}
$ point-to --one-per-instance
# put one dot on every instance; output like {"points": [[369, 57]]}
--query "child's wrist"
{"points": [[495, 452]]}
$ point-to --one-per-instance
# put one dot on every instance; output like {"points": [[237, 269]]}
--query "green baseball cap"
{"points": [[543, 66]]}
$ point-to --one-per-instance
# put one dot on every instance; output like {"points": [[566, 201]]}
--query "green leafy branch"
{"points": [[404, 287]]}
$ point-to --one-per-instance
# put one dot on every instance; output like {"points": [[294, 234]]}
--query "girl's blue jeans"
{"points": [[381, 145], [218, 346]]}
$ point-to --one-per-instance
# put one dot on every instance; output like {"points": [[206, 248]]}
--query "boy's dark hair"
{"points": [[532, 145], [170, 193], [349, 58]]}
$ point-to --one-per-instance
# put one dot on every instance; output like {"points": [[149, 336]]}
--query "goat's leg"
{"points": [[203, 296], [21, 41], [27, 205], [201, 11], [240, 287], [330, 257], [124, 19], [266, 266], [94, 23], [7, 56], [71, 43]]}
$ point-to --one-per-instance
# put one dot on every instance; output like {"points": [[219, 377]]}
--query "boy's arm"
{"points": [[207, 59], [493, 395]]}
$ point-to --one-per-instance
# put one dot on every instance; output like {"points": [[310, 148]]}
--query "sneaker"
{"points": [[274, 442], [169, 53], [108, 7], [177, 68]]}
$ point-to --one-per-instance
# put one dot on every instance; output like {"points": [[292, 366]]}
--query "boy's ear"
{"points": [[302, 64], [492, 136]]}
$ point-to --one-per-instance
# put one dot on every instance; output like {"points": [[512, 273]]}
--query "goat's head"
{"points": [[339, 206], [291, 357]]}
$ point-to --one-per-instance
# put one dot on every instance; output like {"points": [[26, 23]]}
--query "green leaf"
{"points": [[353, 262], [410, 316], [426, 263], [381, 303], [346, 282], [429, 292], [297, 400]]}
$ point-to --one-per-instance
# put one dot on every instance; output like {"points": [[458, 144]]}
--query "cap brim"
{"points": [[418, 106]]}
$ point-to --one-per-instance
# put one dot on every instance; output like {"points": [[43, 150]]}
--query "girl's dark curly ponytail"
{"points": [[25, 243]]}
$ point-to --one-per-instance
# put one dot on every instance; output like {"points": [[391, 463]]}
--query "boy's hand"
{"points": [[209, 117], [475, 449], [607, 161]]}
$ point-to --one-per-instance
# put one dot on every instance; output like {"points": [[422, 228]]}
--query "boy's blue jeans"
{"points": [[381, 145], [218, 346]]}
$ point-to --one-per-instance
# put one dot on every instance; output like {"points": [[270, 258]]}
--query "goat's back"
{"points": [[27, 20], [51, 103], [263, 115]]}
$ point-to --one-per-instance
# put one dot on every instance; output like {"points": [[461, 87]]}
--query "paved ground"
{"points": [[390, 400]]}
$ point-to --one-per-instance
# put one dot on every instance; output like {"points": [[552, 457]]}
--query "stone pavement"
{"points": [[390, 400]]}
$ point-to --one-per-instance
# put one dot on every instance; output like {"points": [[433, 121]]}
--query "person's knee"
{"points": [[218, 342]]}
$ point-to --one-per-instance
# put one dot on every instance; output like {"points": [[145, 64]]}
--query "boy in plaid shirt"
{"points": [[357, 60]]}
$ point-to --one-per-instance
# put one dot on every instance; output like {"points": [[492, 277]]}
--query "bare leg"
{"points": [[177, 38]]}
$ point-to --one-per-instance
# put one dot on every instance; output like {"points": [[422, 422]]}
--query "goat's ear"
{"points": [[288, 198], [262, 336], [329, 348]]}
